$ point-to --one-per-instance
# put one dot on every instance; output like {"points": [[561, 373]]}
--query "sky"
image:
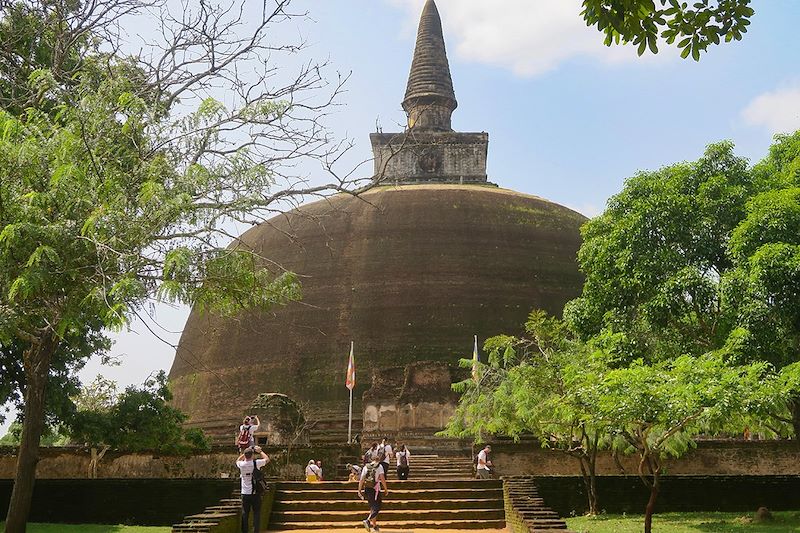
{"points": [[569, 119]]}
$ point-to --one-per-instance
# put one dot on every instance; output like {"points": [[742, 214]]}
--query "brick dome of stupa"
{"points": [[408, 271]]}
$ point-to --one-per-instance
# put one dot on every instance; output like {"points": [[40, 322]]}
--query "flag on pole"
{"points": [[350, 381], [475, 361]]}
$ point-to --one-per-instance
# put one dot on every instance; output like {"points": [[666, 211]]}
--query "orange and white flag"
{"points": [[350, 381]]}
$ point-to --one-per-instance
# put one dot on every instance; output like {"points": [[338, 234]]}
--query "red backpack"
{"points": [[244, 437]]}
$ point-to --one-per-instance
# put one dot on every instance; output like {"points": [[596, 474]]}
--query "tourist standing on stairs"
{"points": [[313, 472], [386, 450], [373, 485], [246, 436], [371, 453], [484, 463], [251, 499], [403, 464]]}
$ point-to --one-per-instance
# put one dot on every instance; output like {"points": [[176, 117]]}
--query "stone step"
{"points": [[390, 503], [389, 514], [543, 524], [400, 485], [395, 493], [402, 525]]}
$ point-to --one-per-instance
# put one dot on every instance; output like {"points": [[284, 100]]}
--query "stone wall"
{"points": [[145, 502], [424, 157], [762, 458], [626, 494], [417, 398], [73, 463]]}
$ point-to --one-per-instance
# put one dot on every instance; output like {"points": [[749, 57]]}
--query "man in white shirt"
{"points": [[484, 464], [250, 499], [386, 449], [373, 477]]}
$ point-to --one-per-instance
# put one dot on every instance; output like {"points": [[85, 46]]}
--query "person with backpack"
{"points": [[246, 436], [251, 485], [373, 484], [385, 449], [403, 466], [370, 454], [484, 464]]}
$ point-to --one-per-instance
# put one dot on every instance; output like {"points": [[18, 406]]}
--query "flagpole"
{"points": [[350, 420], [350, 412]]}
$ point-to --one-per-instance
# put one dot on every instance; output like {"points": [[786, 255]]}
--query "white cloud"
{"points": [[529, 37], [778, 110]]}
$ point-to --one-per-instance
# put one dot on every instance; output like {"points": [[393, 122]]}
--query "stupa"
{"points": [[409, 271]]}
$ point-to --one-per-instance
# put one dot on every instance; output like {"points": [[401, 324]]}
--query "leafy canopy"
{"points": [[690, 26]]}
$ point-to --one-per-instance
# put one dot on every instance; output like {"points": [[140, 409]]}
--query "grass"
{"points": [[90, 528], [784, 522]]}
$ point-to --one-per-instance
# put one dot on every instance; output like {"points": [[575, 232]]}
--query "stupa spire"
{"points": [[430, 99]]}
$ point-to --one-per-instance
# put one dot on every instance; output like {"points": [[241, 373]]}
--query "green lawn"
{"points": [[91, 528], [687, 523]]}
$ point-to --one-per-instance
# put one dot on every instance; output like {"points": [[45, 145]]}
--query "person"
{"points": [[371, 453], [484, 463], [251, 500], [372, 483], [319, 470], [403, 464], [313, 473], [386, 450], [246, 437], [353, 472]]}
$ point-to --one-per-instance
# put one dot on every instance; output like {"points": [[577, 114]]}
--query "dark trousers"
{"points": [[374, 499], [251, 501], [385, 469], [402, 472]]}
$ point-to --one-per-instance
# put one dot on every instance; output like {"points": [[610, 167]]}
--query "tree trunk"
{"points": [[37, 368], [590, 483], [651, 503]]}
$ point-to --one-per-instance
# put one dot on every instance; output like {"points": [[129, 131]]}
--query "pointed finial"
{"points": [[430, 99]]}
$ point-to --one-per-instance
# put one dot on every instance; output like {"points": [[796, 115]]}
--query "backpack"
{"points": [[243, 439], [367, 456], [403, 458], [369, 477], [259, 483]]}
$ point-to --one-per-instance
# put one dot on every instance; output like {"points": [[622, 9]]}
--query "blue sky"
{"points": [[568, 118]]}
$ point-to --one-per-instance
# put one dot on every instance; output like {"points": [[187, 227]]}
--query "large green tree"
{"points": [[697, 257], [690, 26], [122, 175], [656, 410], [530, 386]]}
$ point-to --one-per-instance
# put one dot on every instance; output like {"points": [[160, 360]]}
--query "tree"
{"points": [[530, 386], [764, 285], [683, 262], [139, 419], [690, 27], [120, 175], [656, 410]]}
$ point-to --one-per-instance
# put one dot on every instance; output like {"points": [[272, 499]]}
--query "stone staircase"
{"points": [[432, 503], [434, 466], [526, 510], [223, 516]]}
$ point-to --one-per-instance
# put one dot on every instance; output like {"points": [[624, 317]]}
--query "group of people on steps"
{"points": [[371, 476]]}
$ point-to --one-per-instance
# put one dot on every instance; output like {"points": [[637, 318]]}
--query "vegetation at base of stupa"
{"points": [[121, 173], [689, 26], [688, 324]]}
